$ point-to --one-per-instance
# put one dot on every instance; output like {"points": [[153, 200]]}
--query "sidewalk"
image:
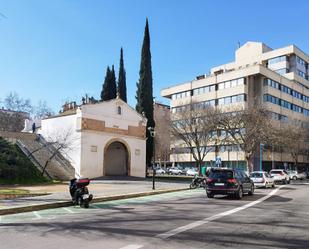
{"points": [[57, 195]]}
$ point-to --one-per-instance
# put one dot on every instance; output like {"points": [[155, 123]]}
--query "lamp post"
{"points": [[152, 134]]}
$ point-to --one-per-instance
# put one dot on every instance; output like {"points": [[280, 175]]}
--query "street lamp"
{"points": [[152, 134]]}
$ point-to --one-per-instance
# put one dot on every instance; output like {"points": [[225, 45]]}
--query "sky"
{"points": [[58, 50]]}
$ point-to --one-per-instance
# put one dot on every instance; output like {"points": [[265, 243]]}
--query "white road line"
{"points": [[195, 224], [132, 247], [37, 214], [69, 210]]}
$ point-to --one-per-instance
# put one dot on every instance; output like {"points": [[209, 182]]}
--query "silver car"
{"points": [[280, 175], [262, 179], [294, 175]]}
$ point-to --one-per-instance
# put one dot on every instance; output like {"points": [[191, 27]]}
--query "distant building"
{"points": [[12, 120], [162, 136], [278, 78], [106, 138]]}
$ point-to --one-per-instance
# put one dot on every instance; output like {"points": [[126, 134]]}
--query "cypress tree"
{"points": [[122, 88], [105, 89], [113, 86], [144, 93], [109, 87]]}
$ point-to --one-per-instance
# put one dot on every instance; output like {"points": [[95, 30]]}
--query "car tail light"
{"points": [[233, 180], [281, 173], [209, 180]]}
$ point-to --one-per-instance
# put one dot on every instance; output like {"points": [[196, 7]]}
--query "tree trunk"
{"points": [[249, 164]]}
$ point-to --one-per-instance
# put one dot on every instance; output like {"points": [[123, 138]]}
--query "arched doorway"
{"points": [[116, 160]]}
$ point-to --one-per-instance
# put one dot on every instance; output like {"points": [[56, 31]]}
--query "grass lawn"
{"points": [[7, 191]]}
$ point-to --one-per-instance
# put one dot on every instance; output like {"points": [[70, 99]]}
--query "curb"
{"points": [[30, 208]]}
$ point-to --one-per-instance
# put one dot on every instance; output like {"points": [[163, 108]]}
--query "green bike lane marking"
{"points": [[50, 214]]}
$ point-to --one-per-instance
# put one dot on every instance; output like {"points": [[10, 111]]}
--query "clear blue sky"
{"points": [[58, 50]]}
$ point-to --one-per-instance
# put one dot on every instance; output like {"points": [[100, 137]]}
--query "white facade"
{"points": [[91, 129]]}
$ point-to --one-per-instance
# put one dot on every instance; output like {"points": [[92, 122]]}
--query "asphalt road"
{"points": [[270, 219]]}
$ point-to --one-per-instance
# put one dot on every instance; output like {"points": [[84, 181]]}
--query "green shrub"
{"points": [[15, 167]]}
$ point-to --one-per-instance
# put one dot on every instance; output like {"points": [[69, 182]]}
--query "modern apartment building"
{"points": [[278, 78]]}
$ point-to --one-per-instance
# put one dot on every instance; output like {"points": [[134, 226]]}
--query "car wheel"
{"points": [[273, 186], [289, 181], [294, 178], [252, 190], [210, 195], [239, 194]]}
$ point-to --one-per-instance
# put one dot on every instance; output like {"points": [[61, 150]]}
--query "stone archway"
{"points": [[116, 159]]}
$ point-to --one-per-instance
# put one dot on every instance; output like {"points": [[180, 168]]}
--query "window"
{"points": [[221, 101], [234, 83], [203, 90], [301, 74], [282, 71], [181, 95], [221, 86], [286, 104], [277, 59], [231, 83], [119, 110], [297, 108], [179, 109], [286, 89], [272, 83], [306, 112], [297, 94], [300, 61]]}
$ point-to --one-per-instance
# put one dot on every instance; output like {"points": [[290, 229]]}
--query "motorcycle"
{"points": [[198, 182], [79, 192]]}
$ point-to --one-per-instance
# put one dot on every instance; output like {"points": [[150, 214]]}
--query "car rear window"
{"points": [[257, 175], [226, 174]]}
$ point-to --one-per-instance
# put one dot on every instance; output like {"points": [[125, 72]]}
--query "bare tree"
{"points": [[194, 127], [15, 103], [292, 139], [42, 110], [162, 136], [246, 128], [60, 145], [55, 145], [16, 111]]}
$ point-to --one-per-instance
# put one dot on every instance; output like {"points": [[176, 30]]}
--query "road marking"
{"points": [[37, 214], [69, 210], [195, 224], [132, 247]]}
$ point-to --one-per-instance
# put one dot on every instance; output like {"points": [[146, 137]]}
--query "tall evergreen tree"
{"points": [[109, 87], [144, 93], [105, 89], [113, 86], [122, 87]]}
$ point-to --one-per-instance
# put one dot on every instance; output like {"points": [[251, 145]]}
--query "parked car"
{"points": [[160, 171], [174, 171], [228, 182], [262, 179], [280, 175], [191, 172], [294, 175]]}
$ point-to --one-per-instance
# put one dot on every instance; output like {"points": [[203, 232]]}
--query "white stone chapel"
{"points": [[104, 139]]}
